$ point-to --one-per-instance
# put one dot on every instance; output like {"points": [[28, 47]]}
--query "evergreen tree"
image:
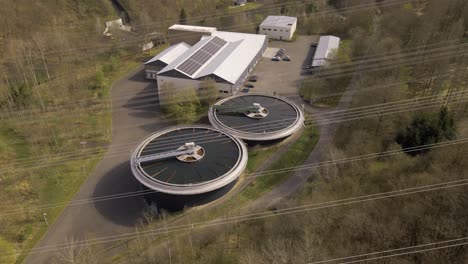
{"points": [[426, 129], [183, 17]]}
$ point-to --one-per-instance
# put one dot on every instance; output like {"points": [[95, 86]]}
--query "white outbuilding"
{"points": [[188, 33], [279, 27], [325, 48]]}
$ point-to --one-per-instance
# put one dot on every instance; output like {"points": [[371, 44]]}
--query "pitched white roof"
{"points": [[193, 28], [171, 53], [237, 61], [279, 21], [324, 49], [230, 61]]}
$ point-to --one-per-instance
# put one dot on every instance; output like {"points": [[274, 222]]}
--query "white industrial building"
{"points": [[279, 27], [325, 48], [226, 57]]}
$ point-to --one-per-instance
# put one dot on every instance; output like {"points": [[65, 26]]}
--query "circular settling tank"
{"points": [[188, 161], [256, 117]]}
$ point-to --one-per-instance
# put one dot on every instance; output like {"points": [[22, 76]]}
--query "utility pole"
{"points": [[380, 120], [45, 219]]}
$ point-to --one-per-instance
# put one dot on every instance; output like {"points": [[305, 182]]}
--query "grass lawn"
{"points": [[294, 156], [58, 184], [258, 156]]}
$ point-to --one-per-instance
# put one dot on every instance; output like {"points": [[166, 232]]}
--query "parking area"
{"points": [[283, 77]]}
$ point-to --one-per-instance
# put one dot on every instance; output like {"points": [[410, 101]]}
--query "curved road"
{"points": [[319, 154], [111, 176]]}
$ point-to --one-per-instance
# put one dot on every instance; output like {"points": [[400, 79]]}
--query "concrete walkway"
{"points": [[132, 120]]}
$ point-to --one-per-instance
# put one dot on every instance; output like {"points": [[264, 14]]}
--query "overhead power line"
{"points": [[255, 175], [384, 254], [143, 103], [61, 158], [249, 217]]}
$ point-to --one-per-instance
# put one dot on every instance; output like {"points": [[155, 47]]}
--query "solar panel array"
{"points": [[194, 62]]}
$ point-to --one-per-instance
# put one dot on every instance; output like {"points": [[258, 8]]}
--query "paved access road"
{"points": [[327, 133], [134, 116]]}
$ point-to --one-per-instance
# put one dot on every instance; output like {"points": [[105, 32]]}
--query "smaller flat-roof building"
{"points": [[279, 27], [160, 61], [325, 48], [188, 34]]}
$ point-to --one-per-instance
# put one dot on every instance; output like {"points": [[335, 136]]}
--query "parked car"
{"points": [[253, 78], [286, 58], [249, 85], [245, 90], [276, 58]]}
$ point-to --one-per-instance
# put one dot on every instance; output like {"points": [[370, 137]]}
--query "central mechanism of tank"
{"points": [[256, 111], [196, 152], [189, 152], [259, 112]]}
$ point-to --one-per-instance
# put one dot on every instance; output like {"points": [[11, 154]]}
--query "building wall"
{"points": [[151, 75], [225, 89], [151, 70], [280, 33]]}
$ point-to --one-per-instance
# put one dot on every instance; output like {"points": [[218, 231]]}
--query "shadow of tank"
{"points": [[175, 203]]}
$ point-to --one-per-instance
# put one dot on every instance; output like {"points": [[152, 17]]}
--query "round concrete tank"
{"points": [[188, 165], [256, 117]]}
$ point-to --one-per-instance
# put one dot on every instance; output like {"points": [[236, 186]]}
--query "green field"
{"points": [[294, 156], [46, 183]]}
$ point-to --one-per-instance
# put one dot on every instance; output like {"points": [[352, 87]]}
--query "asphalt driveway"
{"points": [[283, 77], [134, 116]]}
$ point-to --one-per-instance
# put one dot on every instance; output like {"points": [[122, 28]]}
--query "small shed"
{"points": [[278, 27], [325, 48]]}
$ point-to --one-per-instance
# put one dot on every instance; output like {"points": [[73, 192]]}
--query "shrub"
{"points": [[427, 129]]}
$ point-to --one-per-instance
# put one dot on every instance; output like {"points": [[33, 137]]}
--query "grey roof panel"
{"points": [[201, 56], [170, 54], [184, 56]]}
